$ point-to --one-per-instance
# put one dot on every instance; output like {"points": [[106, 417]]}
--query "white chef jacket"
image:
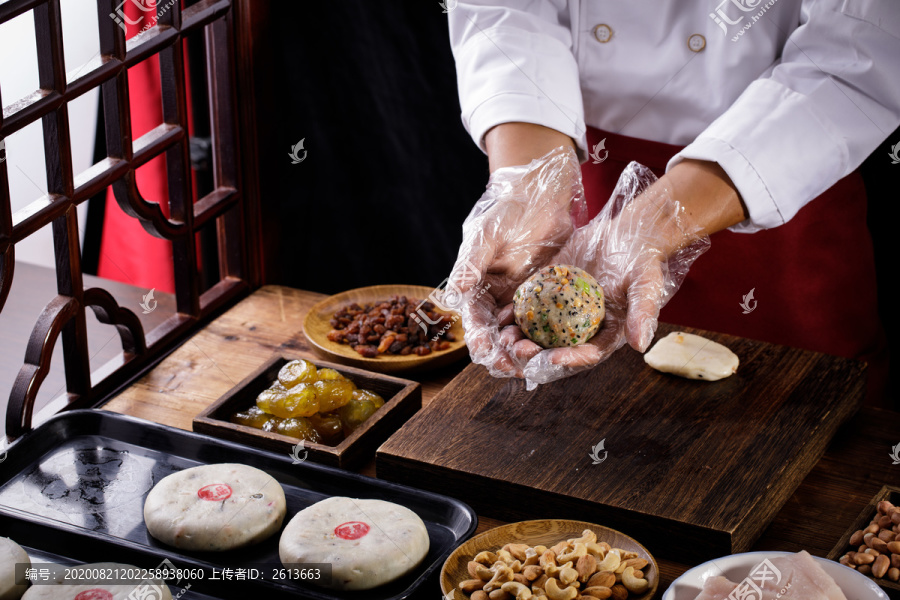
{"points": [[788, 96]]}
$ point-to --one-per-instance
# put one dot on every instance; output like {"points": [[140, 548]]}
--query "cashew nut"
{"points": [[560, 548], [577, 552], [531, 557], [505, 556], [521, 592], [499, 594], [632, 583], [596, 550], [554, 593], [610, 563], [553, 570], [587, 537], [532, 572], [479, 571], [502, 574], [517, 550], [568, 575], [486, 558]]}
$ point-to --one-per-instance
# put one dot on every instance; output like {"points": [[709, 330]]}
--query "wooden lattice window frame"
{"points": [[225, 204]]}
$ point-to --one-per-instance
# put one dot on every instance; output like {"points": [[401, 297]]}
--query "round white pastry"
{"points": [[215, 507], [367, 542], [102, 588], [10, 554]]}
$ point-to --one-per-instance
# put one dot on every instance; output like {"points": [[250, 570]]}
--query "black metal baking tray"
{"points": [[43, 544], [88, 472]]}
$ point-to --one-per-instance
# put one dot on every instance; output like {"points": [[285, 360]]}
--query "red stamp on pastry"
{"points": [[94, 594], [215, 492], [351, 530]]}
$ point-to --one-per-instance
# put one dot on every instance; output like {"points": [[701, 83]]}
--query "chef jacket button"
{"points": [[603, 33], [696, 42]]}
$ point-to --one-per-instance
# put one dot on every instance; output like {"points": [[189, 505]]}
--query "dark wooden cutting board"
{"points": [[694, 469]]}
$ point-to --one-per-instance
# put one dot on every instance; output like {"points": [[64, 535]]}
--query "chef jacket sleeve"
{"points": [[830, 100], [516, 64]]}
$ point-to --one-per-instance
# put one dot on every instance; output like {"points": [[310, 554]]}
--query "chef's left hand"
{"points": [[639, 248]]}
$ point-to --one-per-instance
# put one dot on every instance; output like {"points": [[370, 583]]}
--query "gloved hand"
{"points": [[639, 248], [524, 217]]}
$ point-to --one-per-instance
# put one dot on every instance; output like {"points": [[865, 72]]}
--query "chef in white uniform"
{"points": [[751, 109]]}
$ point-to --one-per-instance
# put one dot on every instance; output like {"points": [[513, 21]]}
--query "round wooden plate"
{"points": [[546, 532], [317, 324]]}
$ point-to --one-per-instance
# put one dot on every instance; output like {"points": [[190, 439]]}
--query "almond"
{"points": [[597, 592], [586, 566], [602, 579], [880, 566]]}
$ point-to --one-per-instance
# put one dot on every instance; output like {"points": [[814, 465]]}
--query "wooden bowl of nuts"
{"points": [[872, 544], [550, 559]]}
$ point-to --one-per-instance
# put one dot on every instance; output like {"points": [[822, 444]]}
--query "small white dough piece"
{"points": [[367, 542], [692, 356], [10, 554], [100, 589], [215, 507]]}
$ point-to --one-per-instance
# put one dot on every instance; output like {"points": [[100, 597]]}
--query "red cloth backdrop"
{"points": [[127, 252]]}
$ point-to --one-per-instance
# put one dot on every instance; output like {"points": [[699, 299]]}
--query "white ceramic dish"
{"points": [[736, 567]]}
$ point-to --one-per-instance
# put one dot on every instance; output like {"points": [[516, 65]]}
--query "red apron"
{"points": [[813, 277]]}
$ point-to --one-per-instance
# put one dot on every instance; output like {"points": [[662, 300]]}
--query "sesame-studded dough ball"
{"points": [[559, 306]]}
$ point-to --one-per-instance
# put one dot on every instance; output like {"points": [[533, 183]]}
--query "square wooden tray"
{"points": [[892, 495], [402, 398]]}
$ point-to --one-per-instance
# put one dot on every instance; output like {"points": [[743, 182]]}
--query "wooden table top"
{"points": [[853, 470]]}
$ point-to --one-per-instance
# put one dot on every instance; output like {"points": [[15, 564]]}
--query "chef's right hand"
{"points": [[524, 217]]}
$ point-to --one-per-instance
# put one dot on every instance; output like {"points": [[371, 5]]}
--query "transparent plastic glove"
{"points": [[524, 217], [639, 248]]}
